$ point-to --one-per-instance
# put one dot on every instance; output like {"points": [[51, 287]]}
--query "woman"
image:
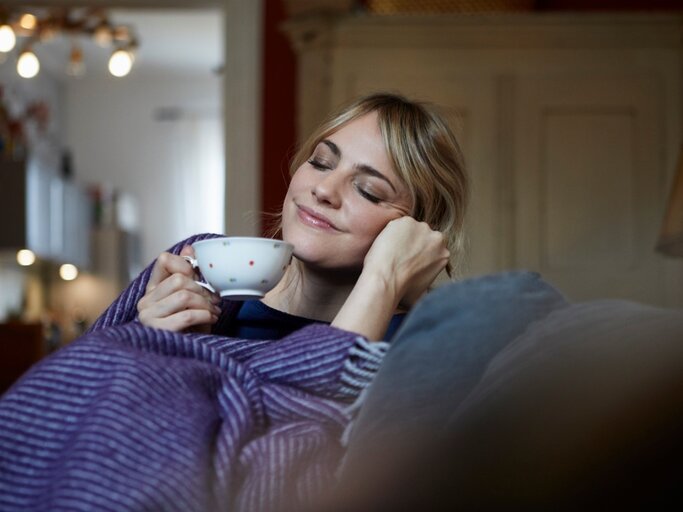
{"points": [[374, 209], [149, 411]]}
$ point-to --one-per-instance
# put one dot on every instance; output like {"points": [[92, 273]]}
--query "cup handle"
{"points": [[192, 261]]}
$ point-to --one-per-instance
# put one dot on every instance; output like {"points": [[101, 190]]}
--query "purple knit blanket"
{"points": [[133, 418]]}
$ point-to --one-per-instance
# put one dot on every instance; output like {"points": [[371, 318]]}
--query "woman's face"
{"points": [[342, 197]]}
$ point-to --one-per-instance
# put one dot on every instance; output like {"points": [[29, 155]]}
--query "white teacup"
{"points": [[241, 268]]}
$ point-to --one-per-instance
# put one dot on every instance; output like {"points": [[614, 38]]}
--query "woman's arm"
{"points": [[403, 261]]}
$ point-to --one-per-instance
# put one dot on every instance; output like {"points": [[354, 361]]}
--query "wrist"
{"points": [[379, 284], [369, 307]]}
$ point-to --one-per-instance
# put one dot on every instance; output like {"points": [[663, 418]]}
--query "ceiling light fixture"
{"points": [[42, 25]]}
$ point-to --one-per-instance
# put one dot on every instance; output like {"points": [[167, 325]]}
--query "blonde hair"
{"points": [[426, 157]]}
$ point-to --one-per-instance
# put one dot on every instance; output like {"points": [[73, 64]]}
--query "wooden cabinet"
{"points": [[570, 126]]}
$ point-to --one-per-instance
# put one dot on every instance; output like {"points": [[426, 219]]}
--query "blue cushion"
{"points": [[440, 353]]}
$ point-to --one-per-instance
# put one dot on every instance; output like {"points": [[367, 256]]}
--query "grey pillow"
{"points": [[582, 411], [439, 354]]}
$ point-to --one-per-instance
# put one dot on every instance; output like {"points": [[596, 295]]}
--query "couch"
{"points": [[499, 393]]}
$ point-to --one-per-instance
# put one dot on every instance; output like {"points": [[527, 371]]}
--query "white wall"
{"points": [[115, 139]]}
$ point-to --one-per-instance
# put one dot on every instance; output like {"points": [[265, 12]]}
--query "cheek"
{"points": [[295, 183], [293, 190], [287, 219], [369, 224]]}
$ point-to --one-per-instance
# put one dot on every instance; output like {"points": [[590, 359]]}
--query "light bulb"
{"points": [[26, 258], [27, 21], [76, 66], [102, 34], [47, 33], [121, 33], [7, 38], [28, 64], [120, 63], [68, 272]]}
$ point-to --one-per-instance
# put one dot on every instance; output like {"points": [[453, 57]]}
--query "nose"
{"points": [[328, 189]]}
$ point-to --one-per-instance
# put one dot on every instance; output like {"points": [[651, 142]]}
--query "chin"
{"points": [[323, 250], [320, 256]]}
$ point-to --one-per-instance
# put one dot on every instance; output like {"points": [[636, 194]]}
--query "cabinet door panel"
{"points": [[588, 175]]}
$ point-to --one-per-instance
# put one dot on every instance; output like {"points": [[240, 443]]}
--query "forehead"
{"points": [[364, 128], [360, 141]]}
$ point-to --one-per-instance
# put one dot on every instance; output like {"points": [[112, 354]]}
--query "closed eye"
{"points": [[368, 196], [319, 165], [360, 188]]}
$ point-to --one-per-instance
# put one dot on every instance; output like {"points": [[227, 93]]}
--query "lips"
{"points": [[312, 218]]}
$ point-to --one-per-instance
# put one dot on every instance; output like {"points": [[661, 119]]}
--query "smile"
{"points": [[314, 219]]}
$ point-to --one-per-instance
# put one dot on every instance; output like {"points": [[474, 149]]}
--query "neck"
{"points": [[310, 292]]}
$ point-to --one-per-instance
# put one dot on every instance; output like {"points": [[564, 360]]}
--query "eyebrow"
{"points": [[364, 168]]}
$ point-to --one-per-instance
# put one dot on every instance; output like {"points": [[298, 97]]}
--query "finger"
{"points": [[166, 265], [180, 301], [184, 319], [173, 284], [187, 250]]}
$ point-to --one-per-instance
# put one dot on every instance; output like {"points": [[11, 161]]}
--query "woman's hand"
{"points": [[402, 262], [173, 301], [408, 255]]}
